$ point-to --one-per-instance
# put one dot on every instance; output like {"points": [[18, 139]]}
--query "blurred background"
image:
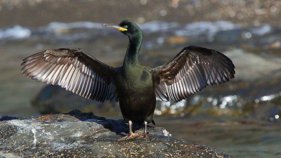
{"points": [[240, 118]]}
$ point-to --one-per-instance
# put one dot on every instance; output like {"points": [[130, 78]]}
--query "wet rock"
{"points": [[85, 135], [3, 118], [50, 97], [7, 131], [251, 66], [54, 99]]}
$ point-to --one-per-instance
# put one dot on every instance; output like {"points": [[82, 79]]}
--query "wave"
{"points": [[15, 32], [86, 29], [207, 28]]}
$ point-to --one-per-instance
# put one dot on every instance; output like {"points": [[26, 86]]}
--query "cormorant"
{"points": [[135, 86]]}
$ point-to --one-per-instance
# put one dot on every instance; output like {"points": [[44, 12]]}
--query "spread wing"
{"points": [[74, 71], [190, 71]]}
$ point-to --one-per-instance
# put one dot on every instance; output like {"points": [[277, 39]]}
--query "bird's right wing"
{"points": [[74, 71], [190, 71]]}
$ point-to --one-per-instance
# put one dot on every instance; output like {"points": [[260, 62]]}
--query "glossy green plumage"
{"points": [[134, 82]]}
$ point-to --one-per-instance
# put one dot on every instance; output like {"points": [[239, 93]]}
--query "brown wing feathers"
{"points": [[190, 71], [72, 70]]}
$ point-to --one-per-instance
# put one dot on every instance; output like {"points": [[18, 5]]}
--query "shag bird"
{"points": [[135, 86]]}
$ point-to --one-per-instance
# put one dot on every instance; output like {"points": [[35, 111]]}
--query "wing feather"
{"points": [[190, 71], [74, 71]]}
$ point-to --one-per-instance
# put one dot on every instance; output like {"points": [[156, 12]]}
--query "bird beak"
{"points": [[121, 29]]}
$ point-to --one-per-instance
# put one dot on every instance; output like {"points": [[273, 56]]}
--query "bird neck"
{"points": [[132, 52]]}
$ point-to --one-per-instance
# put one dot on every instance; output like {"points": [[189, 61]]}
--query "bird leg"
{"points": [[131, 128], [145, 127], [133, 135], [145, 133]]}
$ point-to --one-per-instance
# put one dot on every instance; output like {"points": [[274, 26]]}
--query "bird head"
{"points": [[128, 28]]}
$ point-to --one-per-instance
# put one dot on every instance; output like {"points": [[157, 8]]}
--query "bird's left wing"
{"points": [[74, 71], [190, 71]]}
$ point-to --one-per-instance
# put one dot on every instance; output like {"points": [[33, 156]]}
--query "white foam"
{"points": [[15, 32], [223, 102], [230, 100], [262, 30], [55, 26], [166, 133], [269, 97], [206, 28], [172, 107], [158, 26]]}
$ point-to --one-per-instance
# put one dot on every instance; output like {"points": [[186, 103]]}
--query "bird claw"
{"points": [[145, 135], [134, 136]]}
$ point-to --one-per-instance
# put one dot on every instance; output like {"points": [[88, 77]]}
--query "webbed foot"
{"points": [[133, 135]]}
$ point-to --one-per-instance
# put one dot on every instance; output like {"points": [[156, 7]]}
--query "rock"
{"points": [[49, 99], [85, 135], [54, 99], [251, 66]]}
